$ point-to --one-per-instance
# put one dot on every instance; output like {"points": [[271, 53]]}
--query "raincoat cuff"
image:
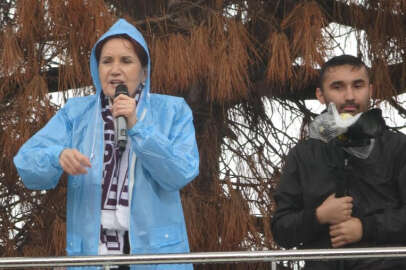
{"points": [[55, 152], [137, 128]]}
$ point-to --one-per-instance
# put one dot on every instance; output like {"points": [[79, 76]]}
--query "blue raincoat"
{"points": [[167, 158]]}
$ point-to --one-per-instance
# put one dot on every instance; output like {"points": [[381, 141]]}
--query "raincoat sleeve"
{"points": [[37, 161], [388, 225], [293, 224], [167, 146]]}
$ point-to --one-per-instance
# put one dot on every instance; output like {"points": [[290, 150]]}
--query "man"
{"points": [[344, 189]]}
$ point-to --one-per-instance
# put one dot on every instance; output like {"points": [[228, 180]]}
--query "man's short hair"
{"points": [[341, 60]]}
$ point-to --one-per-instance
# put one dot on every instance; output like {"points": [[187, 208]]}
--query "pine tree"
{"points": [[237, 64]]}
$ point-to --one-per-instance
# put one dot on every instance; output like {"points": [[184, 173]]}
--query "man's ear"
{"points": [[371, 90], [320, 96]]}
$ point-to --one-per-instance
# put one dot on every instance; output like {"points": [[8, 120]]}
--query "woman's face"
{"points": [[119, 64]]}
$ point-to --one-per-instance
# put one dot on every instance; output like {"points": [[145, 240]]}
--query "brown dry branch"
{"points": [[306, 21], [279, 67]]}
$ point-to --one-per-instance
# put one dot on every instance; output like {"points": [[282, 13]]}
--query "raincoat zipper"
{"points": [[130, 191]]}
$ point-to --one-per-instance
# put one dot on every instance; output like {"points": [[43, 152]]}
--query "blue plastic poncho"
{"points": [[164, 143]]}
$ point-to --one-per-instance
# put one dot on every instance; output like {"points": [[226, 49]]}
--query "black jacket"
{"points": [[314, 170]]}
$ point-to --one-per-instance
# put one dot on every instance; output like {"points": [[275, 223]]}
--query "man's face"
{"points": [[346, 86]]}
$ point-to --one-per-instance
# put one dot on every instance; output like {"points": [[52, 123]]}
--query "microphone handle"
{"points": [[121, 124], [121, 133]]}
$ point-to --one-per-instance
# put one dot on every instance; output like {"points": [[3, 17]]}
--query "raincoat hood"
{"points": [[121, 26]]}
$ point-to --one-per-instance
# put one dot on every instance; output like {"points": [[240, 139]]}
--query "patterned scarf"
{"points": [[115, 194]]}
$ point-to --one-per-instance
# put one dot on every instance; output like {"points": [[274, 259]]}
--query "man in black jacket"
{"points": [[344, 186]]}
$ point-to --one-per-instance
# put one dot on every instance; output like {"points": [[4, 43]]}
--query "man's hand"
{"points": [[345, 233], [334, 210], [73, 162]]}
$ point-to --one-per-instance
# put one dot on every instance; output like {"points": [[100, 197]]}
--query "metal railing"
{"points": [[205, 257]]}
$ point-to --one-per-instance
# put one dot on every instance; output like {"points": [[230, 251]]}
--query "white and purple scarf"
{"points": [[115, 195]]}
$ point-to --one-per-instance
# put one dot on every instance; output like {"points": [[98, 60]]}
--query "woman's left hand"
{"points": [[125, 106]]}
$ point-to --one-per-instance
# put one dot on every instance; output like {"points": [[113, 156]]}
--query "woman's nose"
{"points": [[116, 68]]}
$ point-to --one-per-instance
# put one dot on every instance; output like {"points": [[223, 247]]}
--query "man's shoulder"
{"points": [[394, 134], [306, 148], [309, 143], [393, 140]]}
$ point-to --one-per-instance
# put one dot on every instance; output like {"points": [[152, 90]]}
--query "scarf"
{"points": [[115, 195]]}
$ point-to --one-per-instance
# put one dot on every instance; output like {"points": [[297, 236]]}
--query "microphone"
{"points": [[121, 123]]}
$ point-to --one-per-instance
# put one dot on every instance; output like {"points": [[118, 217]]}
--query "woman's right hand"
{"points": [[73, 162]]}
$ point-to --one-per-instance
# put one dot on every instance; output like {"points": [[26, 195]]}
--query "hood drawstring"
{"points": [[97, 116]]}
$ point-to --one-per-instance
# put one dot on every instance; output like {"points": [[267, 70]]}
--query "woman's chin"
{"points": [[109, 92]]}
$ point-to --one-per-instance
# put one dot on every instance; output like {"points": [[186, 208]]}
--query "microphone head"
{"points": [[121, 89]]}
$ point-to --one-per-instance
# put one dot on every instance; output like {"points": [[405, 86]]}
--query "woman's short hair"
{"points": [[138, 49]]}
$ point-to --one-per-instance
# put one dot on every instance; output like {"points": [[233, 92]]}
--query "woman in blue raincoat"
{"points": [[119, 200]]}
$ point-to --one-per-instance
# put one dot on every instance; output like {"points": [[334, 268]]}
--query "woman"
{"points": [[118, 201]]}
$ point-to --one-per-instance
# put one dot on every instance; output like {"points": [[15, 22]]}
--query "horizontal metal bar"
{"points": [[207, 257]]}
